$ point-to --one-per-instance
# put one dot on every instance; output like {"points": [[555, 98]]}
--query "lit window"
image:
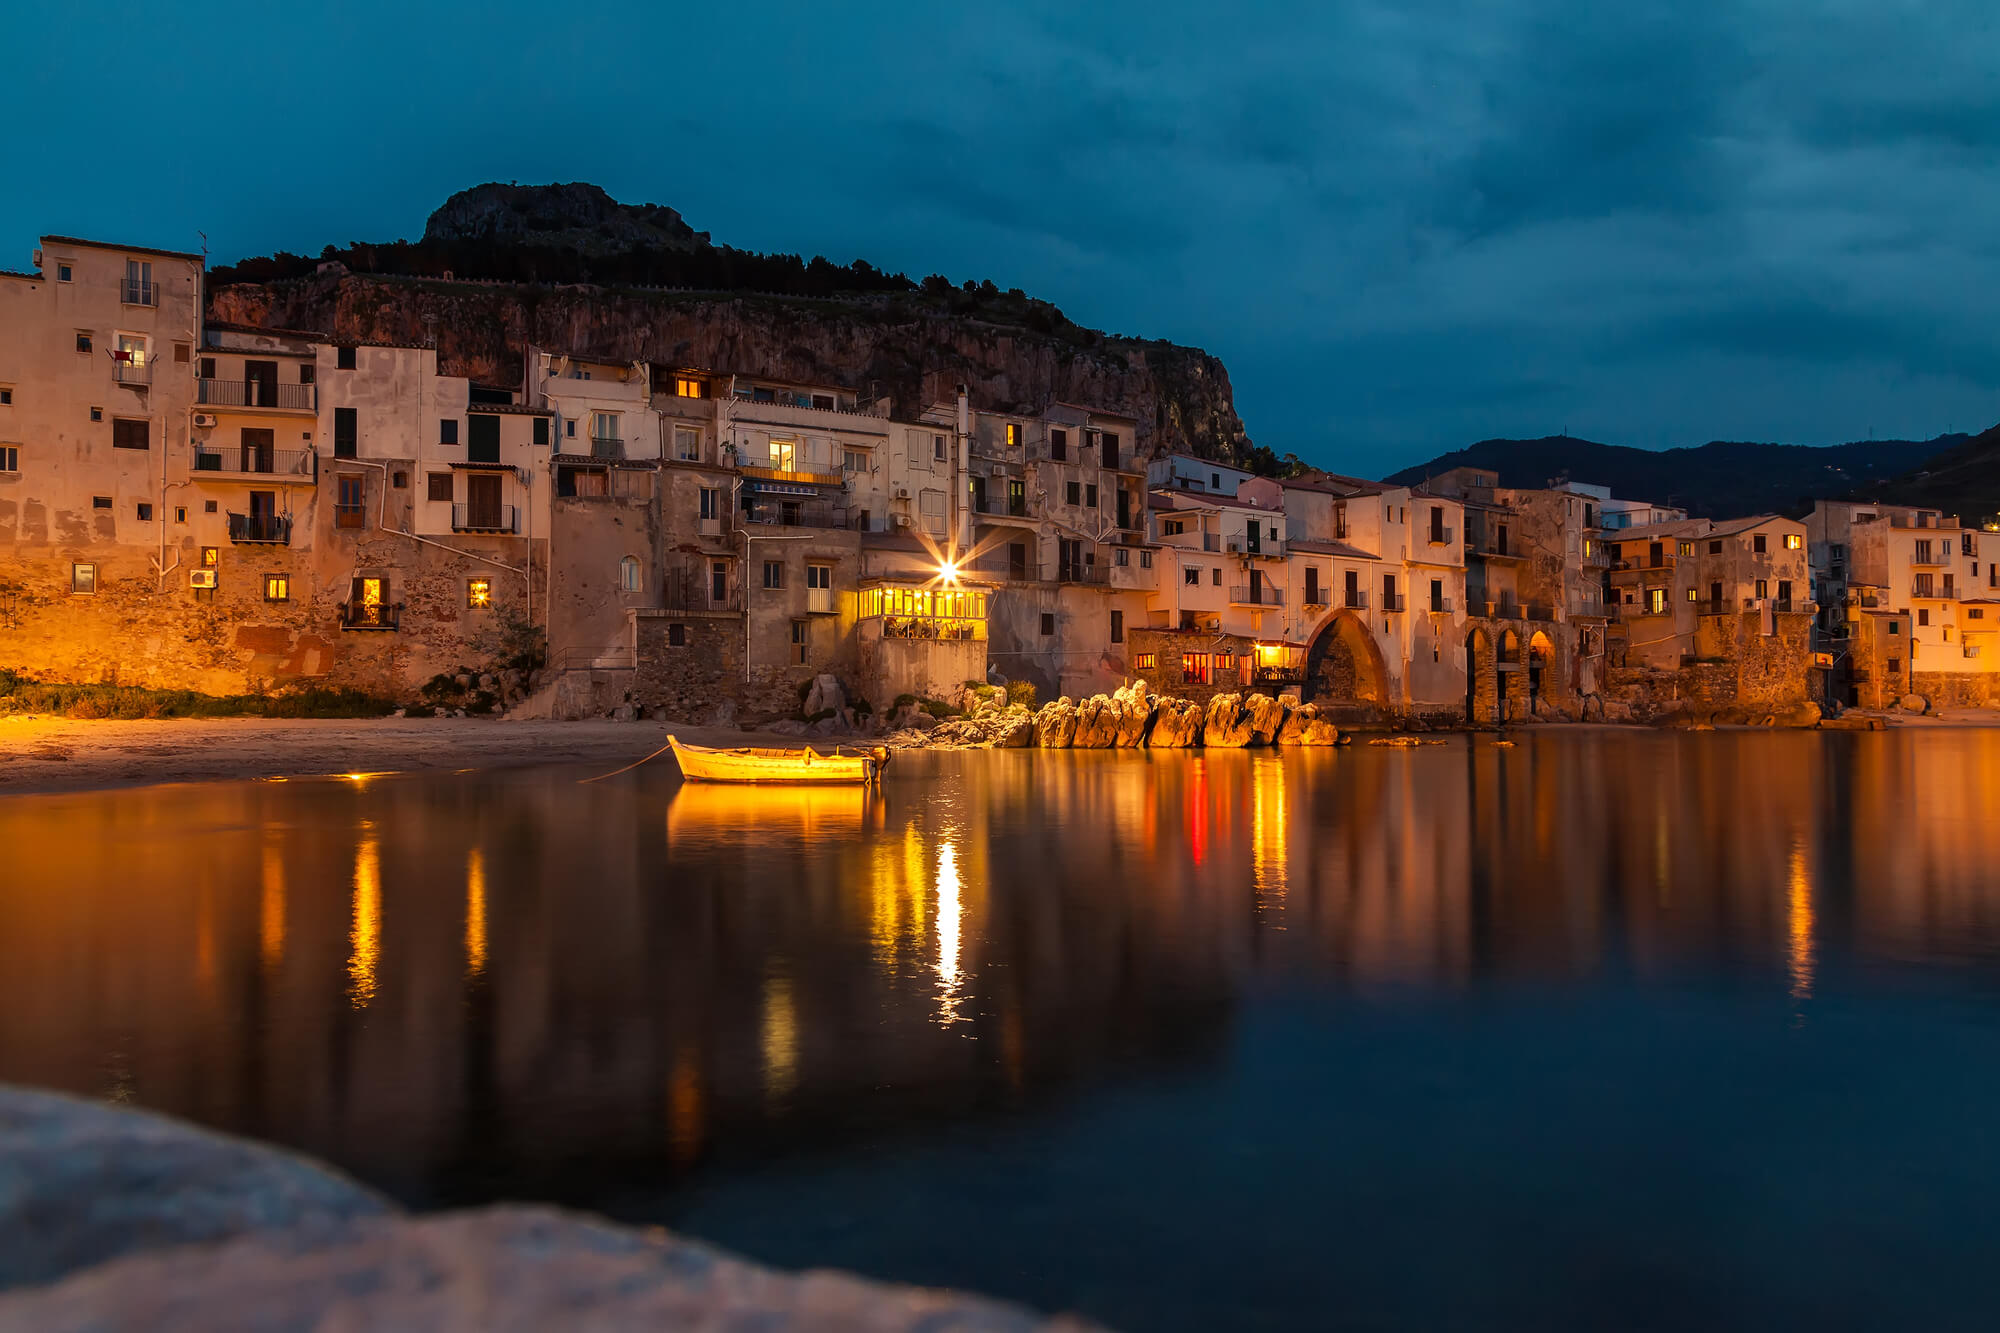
{"points": [[1693, 596], [1013, 435], [83, 578], [1793, 541], [1656, 600], [628, 574], [687, 386], [1687, 548], [277, 588], [479, 592], [211, 556], [1144, 661], [785, 455]]}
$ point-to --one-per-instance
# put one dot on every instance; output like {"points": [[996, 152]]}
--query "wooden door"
{"points": [[482, 500], [258, 450], [260, 384]]}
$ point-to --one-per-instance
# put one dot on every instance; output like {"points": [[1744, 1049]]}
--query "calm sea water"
{"points": [[1601, 1031]]}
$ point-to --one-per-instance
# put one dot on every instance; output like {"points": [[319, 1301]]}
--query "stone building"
{"points": [[1909, 604]]}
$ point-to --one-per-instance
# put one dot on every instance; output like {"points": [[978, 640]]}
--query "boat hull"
{"points": [[701, 764]]}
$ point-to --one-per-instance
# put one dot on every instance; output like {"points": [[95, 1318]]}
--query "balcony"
{"points": [[485, 518], [794, 514], [1441, 536], [998, 565], [371, 616], [1355, 601], [260, 529], [133, 374], [1440, 606], [1486, 548], [1090, 573], [1211, 541], [1256, 595], [257, 395], [1931, 559], [819, 602], [138, 291], [1924, 590], [608, 448], [349, 516], [244, 461], [1540, 611], [697, 593], [1393, 601], [795, 477], [995, 506]]}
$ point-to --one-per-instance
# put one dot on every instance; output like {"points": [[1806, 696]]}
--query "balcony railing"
{"points": [[485, 518], [139, 374], [1942, 557], [608, 447], [1003, 506], [795, 514], [138, 291], [794, 475], [1440, 606], [1441, 536], [1392, 601], [1540, 611], [365, 615], [1503, 610], [819, 602], [257, 393], [1211, 541], [1355, 601], [260, 529], [1252, 595], [302, 463], [1925, 590], [1091, 573]]}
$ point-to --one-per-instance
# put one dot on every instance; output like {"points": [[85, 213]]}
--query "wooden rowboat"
{"points": [[745, 764]]}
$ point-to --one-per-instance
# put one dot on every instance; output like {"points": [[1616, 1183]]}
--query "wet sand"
{"points": [[46, 754]]}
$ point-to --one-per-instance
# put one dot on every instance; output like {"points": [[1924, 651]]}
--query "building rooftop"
{"points": [[1315, 546], [128, 249], [1179, 499]]}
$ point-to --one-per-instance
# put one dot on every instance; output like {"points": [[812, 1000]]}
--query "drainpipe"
{"points": [[964, 488]]}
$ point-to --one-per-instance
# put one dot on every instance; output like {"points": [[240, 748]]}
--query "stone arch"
{"points": [[1513, 677], [1345, 672], [1480, 702], [1542, 676]]}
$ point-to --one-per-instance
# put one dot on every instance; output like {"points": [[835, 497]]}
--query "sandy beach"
{"points": [[47, 754]]}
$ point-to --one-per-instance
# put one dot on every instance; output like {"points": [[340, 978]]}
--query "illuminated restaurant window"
{"points": [[1194, 668], [277, 588], [1144, 661], [478, 592], [83, 578]]}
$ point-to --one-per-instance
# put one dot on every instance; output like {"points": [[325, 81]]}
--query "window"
{"points": [[853, 460], [1763, 587], [97, 414], [1924, 617], [937, 447], [1225, 662], [305, 367], [1145, 559], [343, 358], [628, 575], [277, 587], [1090, 497], [83, 578], [10, 458], [208, 506], [400, 480], [785, 455], [1656, 601], [180, 514], [1191, 576], [718, 581], [1757, 543], [83, 342], [63, 273], [774, 574], [1121, 557], [127, 433], [1217, 576], [1715, 548], [448, 430], [1144, 661], [1975, 613], [1895, 627], [346, 432], [100, 502], [542, 432], [1048, 623], [819, 576], [1215, 481], [677, 635], [687, 386], [6, 397], [1073, 493], [1793, 541], [569, 430], [1014, 435], [1172, 527], [478, 593], [1117, 627], [1194, 668], [687, 444], [1694, 595], [145, 512], [1687, 548], [802, 641], [440, 487], [604, 425], [348, 495], [711, 503], [819, 589], [932, 505], [1058, 443]]}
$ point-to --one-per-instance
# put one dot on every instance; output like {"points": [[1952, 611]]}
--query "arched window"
{"points": [[628, 574]]}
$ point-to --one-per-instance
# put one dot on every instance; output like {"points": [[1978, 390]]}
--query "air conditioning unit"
{"points": [[204, 420], [201, 578], [38, 259], [902, 520], [902, 492]]}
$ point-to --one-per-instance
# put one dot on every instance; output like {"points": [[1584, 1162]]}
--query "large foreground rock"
{"points": [[81, 1183], [1304, 726], [1227, 725], [1266, 716], [1135, 714], [1097, 720], [1055, 725], [498, 1270], [1177, 725]]}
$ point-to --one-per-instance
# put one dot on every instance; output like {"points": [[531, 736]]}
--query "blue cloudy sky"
{"points": [[1404, 224]]}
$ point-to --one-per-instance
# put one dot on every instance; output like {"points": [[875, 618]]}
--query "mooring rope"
{"points": [[629, 767]]}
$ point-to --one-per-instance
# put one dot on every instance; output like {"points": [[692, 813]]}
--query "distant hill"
{"points": [[1720, 479], [1963, 479]]}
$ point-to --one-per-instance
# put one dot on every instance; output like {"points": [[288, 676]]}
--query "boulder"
{"points": [[1135, 708], [1304, 726], [1055, 725], [1017, 731], [1913, 703], [1227, 725], [1097, 723], [724, 714], [81, 1183], [622, 713], [1266, 717], [825, 695], [1613, 710], [1592, 708], [1397, 742], [1177, 725]]}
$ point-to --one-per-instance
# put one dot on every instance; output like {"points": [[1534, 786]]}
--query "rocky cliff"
{"points": [[502, 268]]}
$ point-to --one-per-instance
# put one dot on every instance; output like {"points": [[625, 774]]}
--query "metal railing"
{"points": [[592, 659], [1002, 505], [1244, 594], [1211, 541], [1355, 601], [696, 592], [268, 529], [1540, 611], [260, 462], [607, 447], [1440, 606], [1925, 590], [132, 372], [257, 393], [1440, 536], [797, 476], [138, 291], [1392, 601], [1087, 573], [375, 615], [794, 514], [485, 518]]}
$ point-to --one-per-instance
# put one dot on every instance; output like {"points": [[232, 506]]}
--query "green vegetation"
{"points": [[1021, 692], [23, 694]]}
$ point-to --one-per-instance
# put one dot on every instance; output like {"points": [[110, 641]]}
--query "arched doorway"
{"points": [[1512, 681], [1344, 671], [1479, 682], [1541, 654]]}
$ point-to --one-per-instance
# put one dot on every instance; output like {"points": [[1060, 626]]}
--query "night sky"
{"points": [[1403, 225]]}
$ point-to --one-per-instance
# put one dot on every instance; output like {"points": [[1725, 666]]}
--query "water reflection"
{"points": [[511, 985]]}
